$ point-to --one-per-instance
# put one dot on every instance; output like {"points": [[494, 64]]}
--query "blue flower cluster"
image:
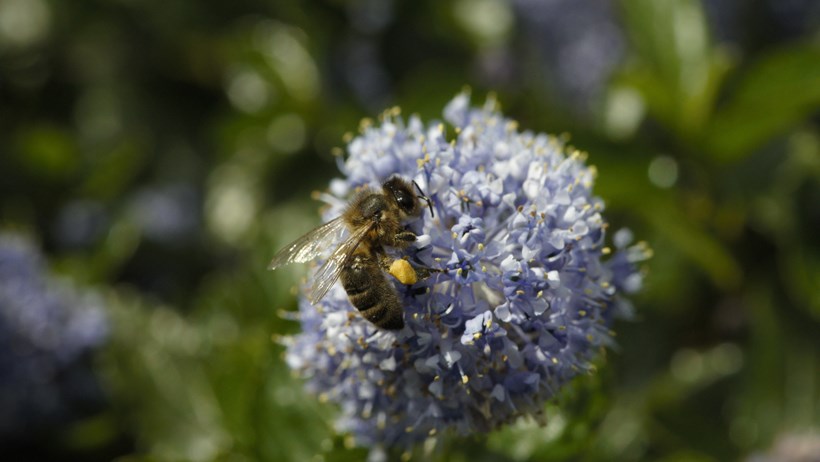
{"points": [[45, 328], [526, 301]]}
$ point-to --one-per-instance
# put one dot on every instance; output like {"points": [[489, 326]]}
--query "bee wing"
{"points": [[310, 245], [327, 275]]}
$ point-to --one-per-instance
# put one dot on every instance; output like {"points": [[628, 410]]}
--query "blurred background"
{"points": [[154, 155]]}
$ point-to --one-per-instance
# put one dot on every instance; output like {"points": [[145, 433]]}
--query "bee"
{"points": [[373, 220]]}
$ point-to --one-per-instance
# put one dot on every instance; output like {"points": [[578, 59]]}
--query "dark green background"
{"points": [[160, 152]]}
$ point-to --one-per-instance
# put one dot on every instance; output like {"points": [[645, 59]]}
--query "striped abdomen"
{"points": [[371, 293]]}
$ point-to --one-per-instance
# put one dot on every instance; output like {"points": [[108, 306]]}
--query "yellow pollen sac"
{"points": [[401, 270]]}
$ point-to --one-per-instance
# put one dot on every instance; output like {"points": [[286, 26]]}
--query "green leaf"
{"points": [[698, 245], [778, 91], [47, 152], [113, 171], [675, 68], [801, 270], [624, 185], [208, 386]]}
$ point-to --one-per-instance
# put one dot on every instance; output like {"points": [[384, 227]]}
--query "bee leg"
{"points": [[406, 237], [406, 273], [424, 272]]}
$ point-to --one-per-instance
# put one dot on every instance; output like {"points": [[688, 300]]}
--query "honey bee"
{"points": [[374, 220]]}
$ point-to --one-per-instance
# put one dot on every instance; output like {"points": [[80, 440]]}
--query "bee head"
{"points": [[402, 193]]}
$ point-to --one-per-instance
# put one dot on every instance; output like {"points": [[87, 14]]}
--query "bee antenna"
{"points": [[423, 197]]}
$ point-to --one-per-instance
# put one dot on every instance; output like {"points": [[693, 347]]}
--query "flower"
{"points": [[46, 327], [526, 301]]}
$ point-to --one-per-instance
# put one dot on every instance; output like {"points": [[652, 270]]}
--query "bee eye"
{"points": [[405, 201]]}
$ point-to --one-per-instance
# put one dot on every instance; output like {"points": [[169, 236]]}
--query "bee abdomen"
{"points": [[371, 293], [382, 309]]}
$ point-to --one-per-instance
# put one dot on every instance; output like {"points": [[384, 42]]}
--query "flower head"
{"points": [[45, 328], [524, 300]]}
